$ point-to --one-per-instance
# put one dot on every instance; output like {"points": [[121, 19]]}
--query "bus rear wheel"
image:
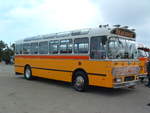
{"points": [[80, 81], [28, 73]]}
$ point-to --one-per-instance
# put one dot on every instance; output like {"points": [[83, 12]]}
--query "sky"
{"points": [[25, 18]]}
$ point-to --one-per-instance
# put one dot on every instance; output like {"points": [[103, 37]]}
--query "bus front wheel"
{"points": [[28, 73], [80, 81]]}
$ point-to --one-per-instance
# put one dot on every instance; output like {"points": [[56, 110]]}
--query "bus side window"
{"points": [[81, 45], [43, 47], [66, 46], [53, 46], [21, 49], [98, 47], [26, 48], [18, 48], [34, 48]]}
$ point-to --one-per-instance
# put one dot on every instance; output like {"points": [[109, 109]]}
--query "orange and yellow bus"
{"points": [[104, 56]]}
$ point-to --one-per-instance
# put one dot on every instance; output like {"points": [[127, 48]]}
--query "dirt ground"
{"points": [[18, 95]]}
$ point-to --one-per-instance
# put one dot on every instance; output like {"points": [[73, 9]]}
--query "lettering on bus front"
{"points": [[123, 32]]}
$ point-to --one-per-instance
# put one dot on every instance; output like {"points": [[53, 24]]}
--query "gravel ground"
{"points": [[18, 95]]}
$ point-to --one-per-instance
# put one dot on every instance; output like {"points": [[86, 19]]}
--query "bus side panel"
{"points": [[19, 66], [99, 72], [56, 75], [62, 69], [46, 68]]}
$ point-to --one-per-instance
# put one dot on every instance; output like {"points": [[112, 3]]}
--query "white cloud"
{"points": [[61, 14], [33, 17]]}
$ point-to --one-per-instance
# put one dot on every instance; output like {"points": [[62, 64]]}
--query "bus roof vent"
{"points": [[107, 25], [62, 34], [117, 25], [80, 32]]}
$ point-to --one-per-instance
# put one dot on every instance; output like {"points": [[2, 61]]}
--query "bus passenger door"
{"points": [[98, 47]]}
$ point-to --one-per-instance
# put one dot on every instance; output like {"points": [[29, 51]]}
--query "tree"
{"points": [[2, 46], [13, 47], [8, 54]]}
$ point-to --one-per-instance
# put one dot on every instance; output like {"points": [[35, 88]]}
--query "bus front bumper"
{"points": [[142, 76], [125, 84]]}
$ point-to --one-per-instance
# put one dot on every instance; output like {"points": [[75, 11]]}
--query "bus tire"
{"points": [[80, 81], [28, 73]]}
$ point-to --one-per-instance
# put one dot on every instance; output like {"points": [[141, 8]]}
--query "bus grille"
{"points": [[129, 78]]}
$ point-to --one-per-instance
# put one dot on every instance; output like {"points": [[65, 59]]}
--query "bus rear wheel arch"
{"points": [[80, 80], [28, 72]]}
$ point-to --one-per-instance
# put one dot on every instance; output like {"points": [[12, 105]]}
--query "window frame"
{"points": [[58, 45], [40, 48], [67, 46], [88, 49], [29, 47], [34, 48], [19, 50], [105, 49]]}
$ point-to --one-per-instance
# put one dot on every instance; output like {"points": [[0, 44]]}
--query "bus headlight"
{"points": [[117, 80]]}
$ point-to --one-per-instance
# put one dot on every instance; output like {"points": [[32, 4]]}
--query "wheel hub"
{"points": [[79, 81], [28, 73]]}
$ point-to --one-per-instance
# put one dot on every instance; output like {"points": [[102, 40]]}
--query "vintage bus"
{"points": [[143, 54], [103, 56]]}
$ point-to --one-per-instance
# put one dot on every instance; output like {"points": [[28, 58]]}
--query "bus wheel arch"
{"points": [[27, 72], [80, 80]]}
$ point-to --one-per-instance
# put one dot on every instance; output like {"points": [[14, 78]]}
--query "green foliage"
{"points": [[6, 52], [13, 47], [2, 46]]}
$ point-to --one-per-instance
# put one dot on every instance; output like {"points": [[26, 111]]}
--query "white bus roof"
{"points": [[102, 30]]}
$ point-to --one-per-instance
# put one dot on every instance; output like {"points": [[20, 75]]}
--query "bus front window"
{"points": [[119, 48], [113, 48]]}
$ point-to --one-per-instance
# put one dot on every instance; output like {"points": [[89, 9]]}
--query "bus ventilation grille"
{"points": [[129, 78]]}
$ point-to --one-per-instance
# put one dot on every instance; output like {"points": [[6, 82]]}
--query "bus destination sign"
{"points": [[123, 32]]}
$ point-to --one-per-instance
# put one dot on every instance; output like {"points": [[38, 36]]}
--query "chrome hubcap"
{"points": [[28, 73], [79, 82]]}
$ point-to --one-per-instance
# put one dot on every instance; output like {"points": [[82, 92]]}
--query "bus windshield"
{"points": [[119, 48]]}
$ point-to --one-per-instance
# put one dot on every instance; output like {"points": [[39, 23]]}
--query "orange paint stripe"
{"points": [[54, 57]]}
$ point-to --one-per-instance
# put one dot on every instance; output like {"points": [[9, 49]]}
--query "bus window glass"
{"points": [[98, 47], [21, 48], [81, 45], [43, 47], [66, 46], [34, 48], [26, 48], [119, 48], [53, 46], [18, 49], [131, 49]]}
